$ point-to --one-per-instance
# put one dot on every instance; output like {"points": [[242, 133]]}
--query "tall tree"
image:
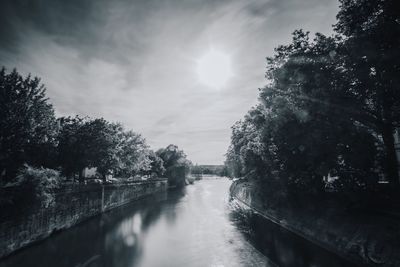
{"points": [[70, 149], [156, 165], [320, 135], [303, 130], [371, 56], [133, 155], [176, 164], [27, 123], [88, 143], [101, 140]]}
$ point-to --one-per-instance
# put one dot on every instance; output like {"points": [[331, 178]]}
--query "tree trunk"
{"points": [[391, 164]]}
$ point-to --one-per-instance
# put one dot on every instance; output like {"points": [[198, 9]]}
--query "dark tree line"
{"points": [[30, 134], [330, 108], [219, 170]]}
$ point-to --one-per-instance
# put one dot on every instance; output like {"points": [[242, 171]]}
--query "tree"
{"points": [[36, 185], [316, 133], [88, 143], [370, 53], [133, 154], [101, 140], [303, 130], [70, 147], [176, 164], [27, 123], [156, 165], [29, 133], [243, 155]]}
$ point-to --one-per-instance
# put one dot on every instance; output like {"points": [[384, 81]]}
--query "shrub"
{"points": [[38, 185]]}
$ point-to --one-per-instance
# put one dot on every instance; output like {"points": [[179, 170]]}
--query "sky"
{"points": [[137, 62]]}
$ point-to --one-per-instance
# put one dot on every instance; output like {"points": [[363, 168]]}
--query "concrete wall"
{"points": [[363, 240], [74, 204]]}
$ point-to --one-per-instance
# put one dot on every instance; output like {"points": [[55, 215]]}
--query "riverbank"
{"points": [[186, 227], [73, 204], [364, 239]]}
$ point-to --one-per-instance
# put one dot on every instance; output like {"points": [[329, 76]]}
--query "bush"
{"points": [[38, 185]]}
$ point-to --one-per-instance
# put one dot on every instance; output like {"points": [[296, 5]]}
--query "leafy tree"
{"points": [[156, 165], [133, 154], [244, 153], [370, 54], [101, 140], [27, 123], [233, 163], [319, 133], [224, 171], [29, 133], [176, 164], [88, 143], [70, 148], [37, 184], [301, 130], [218, 170]]}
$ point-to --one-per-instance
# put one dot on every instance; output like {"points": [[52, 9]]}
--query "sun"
{"points": [[214, 69]]}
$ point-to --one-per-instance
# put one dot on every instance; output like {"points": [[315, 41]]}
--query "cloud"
{"points": [[135, 61]]}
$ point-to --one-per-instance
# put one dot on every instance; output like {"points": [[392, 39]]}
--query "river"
{"points": [[196, 226]]}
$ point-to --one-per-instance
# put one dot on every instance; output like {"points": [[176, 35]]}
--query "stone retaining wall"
{"points": [[74, 204], [362, 239]]}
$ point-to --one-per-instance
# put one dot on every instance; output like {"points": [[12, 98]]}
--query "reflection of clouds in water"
{"points": [[124, 243], [137, 222], [129, 230], [130, 240]]}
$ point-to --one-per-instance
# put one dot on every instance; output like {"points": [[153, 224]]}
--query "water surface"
{"points": [[196, 226]]}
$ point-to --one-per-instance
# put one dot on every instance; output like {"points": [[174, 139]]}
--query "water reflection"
{"points": [[125, 241], [196, 226], [279, 245]]}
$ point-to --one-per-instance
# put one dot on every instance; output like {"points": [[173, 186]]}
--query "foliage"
{"points": [[30, 134], [101, 139], [218, 170], [329, 108], [133, 154], [85, 142], [70, 149], [176, 164], [173, 156], [370, 61], [37, 185], [156, 165], [27, 124]]}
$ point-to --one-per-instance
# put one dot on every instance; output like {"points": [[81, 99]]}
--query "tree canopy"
{"points": [[31, 134], [330, 106], [27, 123], [176, 164]]}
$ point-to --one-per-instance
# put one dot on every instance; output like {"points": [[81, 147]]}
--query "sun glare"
{"points": [[214, 69]]}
